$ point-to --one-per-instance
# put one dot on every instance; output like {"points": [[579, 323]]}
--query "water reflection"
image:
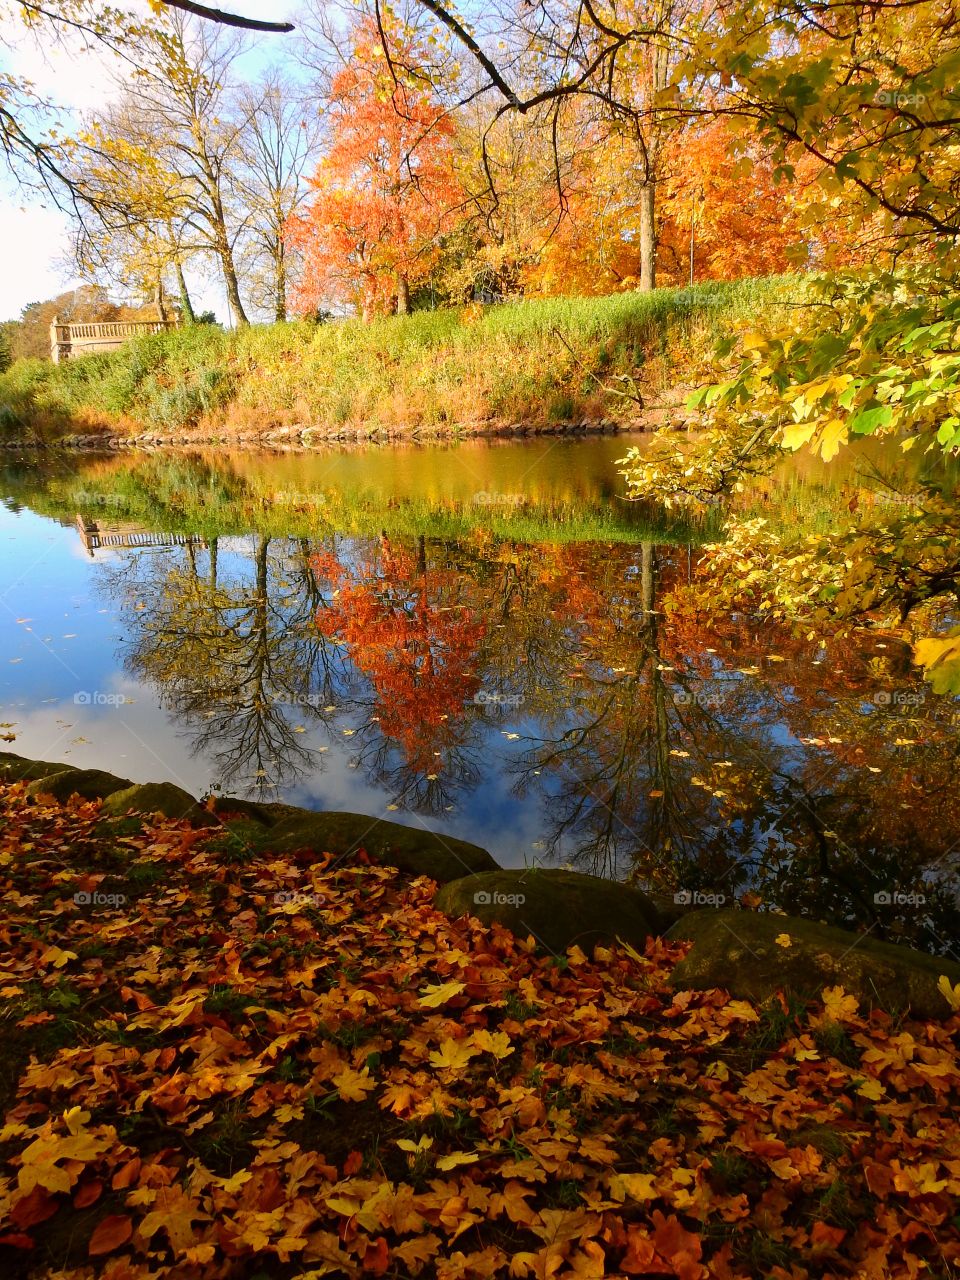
{"points": [[714, 759]]}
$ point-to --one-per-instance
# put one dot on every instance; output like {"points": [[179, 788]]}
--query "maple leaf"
{"points": [[638, 1186], [839, 1006], [950, 993], [495, 1042], [456, 1158], [57, 957], [399, 1098], [175, 1213], [513, 1202], [39, 1161], [353, 1086], [453, 1055], [783, 940]]}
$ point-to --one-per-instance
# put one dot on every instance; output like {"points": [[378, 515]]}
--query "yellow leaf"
{"points": [[453, 1054], [353, 1086], [434, 996], [424, 1144], [56, 957], [838, 1005], [950, 994], [783, 940], [495, 1042], [638, 1186], [457, 1157], [872, 1090]]}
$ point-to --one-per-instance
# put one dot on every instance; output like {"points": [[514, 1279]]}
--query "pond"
{"points": [[487, 641]]}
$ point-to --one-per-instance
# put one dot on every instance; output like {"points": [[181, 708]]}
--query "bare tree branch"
{"points": [[226, 19]]}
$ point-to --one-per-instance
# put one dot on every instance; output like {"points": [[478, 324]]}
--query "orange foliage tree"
{"points": [[384, 192]]}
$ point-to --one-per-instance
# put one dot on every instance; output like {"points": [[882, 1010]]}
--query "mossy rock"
{"points": [[230, 806], [559, 908], [14, 768], [164, 798], [88, 784], [738, 951], [420, 853]]}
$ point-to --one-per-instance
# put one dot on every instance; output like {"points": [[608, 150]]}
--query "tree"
{"points": [[32, 149], [277, 141], [385, 192], [180, 123]]}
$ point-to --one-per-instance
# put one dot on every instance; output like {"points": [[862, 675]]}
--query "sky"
{"points": [[34, 235]]}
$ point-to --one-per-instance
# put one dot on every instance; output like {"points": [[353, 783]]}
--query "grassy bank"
{"points": [[538, 362]]}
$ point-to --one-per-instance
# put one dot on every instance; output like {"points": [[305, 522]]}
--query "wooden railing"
{"points": [[94, 537], [67, 341]]}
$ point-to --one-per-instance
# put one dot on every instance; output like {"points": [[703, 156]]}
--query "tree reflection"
{"points": [[236, 659], [717, 756]]}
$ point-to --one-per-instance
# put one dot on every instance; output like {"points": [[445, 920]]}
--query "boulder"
{"points": [[559, 908], [88, 784], [418, 852], [164, 798], [738, 952], [14, 768]]}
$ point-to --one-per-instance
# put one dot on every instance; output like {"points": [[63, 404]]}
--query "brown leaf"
{"points": [[111, 1233]]}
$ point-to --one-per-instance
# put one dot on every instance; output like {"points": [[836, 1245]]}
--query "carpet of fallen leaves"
{"points": [[298, 1068]]}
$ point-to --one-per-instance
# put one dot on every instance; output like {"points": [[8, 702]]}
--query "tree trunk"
{"points": [[280, 285], [403, 296], [648, 238], [159, 300], [233, 288], [187, 313]]}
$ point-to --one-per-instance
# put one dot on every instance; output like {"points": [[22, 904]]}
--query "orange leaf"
{"points": [[36, 1206], [87, 1194], [127, 1174], [110, 1234], [826, 1236]]}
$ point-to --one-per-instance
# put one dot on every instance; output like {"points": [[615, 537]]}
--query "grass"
{"points": [[539, 361]]}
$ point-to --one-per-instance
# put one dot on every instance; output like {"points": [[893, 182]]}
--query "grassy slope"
{"points": [[349, 1083], [537, 361]]}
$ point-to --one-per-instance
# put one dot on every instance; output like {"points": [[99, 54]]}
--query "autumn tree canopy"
{"points": [[384, 193]]}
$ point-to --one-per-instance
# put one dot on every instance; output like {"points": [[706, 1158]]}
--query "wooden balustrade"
{"points": [[67, 341]]}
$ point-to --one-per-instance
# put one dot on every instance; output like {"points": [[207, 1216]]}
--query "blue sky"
{"points": [[34, 234]]}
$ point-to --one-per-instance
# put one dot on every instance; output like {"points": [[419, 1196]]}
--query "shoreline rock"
{"points": [[309, 438]]}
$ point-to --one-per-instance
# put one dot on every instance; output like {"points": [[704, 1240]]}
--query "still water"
{"points": [[485, 640]]}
